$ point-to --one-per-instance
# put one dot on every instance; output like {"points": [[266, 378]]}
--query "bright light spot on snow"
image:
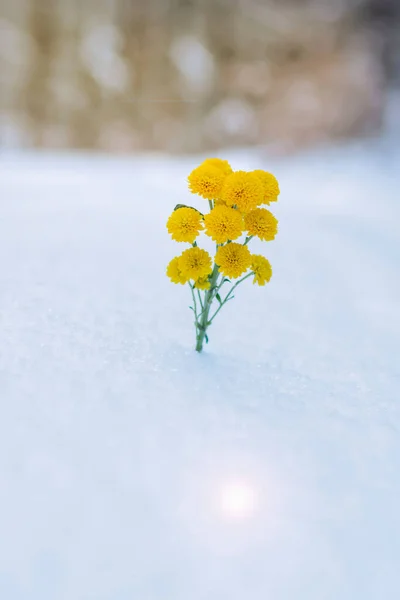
{"points": [[238, 500]]}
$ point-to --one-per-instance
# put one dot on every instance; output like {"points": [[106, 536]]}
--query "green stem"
{"points": [[196, 322], [228, 296], [200, 300], [248, 239], [201, 328], [223, 280]]}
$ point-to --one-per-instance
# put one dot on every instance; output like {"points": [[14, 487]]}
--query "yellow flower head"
{"points": [[270, 186], [174, 271], [220, 163], [185, 224], [202, 283], [206, 181], [233, 259], [261, 223], [195, 263], [223, 223], [261, 268], [243, 190]]}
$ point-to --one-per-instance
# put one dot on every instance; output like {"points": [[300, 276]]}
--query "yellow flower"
{"points": [[174, 271], [233, 259], [195, 263], [223, 224], [243, 190], [202, 283], [184, 224], [261, 268], [220, 163], [261, 223], [270, 186], [206, 181]]}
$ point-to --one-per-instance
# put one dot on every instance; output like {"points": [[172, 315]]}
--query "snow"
{"points": [[132, 467]]}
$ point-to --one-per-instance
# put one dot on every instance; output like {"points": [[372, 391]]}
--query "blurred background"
{"points": [[182, 76]]}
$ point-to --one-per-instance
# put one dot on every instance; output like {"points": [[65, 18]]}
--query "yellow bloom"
{"points": [[261, 268], [202, 283], [243, 190], [223, 224], [233, 259], [174, 271], [195, 263], [270, 186], [184, 224], [206, 181], [220, 163], [261, 223]]}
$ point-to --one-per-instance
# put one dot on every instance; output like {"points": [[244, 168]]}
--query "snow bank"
{"points": [[131, 467]]}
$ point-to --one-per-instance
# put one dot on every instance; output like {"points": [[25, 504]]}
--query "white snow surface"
{"points": [[133, 468]]}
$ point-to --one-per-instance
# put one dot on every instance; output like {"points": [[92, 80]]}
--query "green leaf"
{"points": [[185, 206], [218, 297], [206, 337], [226, 280]]}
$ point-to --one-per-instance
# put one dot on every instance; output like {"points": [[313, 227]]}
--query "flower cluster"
{"points": [[235, 200]]}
